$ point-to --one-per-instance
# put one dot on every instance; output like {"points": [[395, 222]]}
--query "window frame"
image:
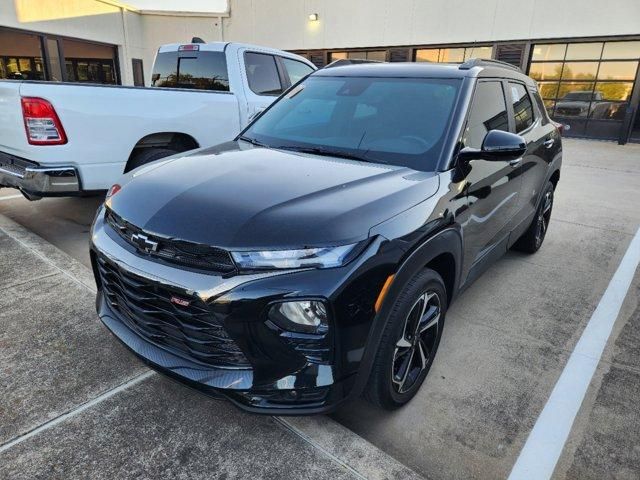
{"points": [[512, 113], [510, 117], [284, 80], [281, 65]]}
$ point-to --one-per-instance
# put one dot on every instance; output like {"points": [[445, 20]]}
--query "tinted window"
{"points": [[262, 74], [541, 108], [401, 121], [522, 107], [296, 70], [488, 112], [202, 71]]}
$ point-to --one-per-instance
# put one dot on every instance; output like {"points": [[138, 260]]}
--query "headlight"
{"points": [[323, 257], [303, 316]]}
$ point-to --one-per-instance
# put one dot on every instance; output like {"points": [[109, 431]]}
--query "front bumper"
{"points": [[283, 375], [37, 180]]}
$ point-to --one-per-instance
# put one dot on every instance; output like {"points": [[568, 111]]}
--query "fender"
{"points": [[449, 241]]}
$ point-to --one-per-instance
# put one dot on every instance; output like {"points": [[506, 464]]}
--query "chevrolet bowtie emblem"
{"points": [[143, 243]]}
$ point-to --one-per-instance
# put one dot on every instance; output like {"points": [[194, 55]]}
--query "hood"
{"points": [[246, 197]]}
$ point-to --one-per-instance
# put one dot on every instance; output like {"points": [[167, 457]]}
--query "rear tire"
{"points": [[409, 341], [148, 155], [531, 240]]}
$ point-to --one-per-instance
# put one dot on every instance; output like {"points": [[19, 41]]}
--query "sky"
{"points": [[215, 6]]}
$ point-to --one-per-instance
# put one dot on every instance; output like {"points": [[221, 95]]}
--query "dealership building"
{"points": [[584, 54]]}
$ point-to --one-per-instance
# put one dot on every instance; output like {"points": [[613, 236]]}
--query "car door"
{"points": [[492, 187], [528, 122], [264, 80]]}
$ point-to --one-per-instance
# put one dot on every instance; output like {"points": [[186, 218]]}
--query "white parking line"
{"points": [[543, 448], [79, 409], [11, 197]]}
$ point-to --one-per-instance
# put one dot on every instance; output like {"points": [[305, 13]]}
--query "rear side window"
{"points": [[295, 69], [488, 112], [541, 107], [522, 106], [262, 74], [199, 71]]}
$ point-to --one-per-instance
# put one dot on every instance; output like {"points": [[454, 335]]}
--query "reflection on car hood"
{"points": [[253, 197]]}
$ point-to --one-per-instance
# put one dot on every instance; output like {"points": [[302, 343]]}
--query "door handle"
{"points": [[549, 143]]}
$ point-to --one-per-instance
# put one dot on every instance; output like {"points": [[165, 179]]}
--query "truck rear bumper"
{"points": [[36, 180]]}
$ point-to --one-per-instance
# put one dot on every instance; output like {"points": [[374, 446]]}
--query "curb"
{"points": [[352, 452]]}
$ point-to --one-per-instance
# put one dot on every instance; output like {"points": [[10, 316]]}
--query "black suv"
{"points": [[313, 258]]}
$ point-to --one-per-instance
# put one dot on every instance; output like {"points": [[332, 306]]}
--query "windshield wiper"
{"points": [[252, 141], [326, 152]]}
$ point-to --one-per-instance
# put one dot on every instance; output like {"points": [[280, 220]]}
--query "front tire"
{"points": [[531, 240], [409, 341]]}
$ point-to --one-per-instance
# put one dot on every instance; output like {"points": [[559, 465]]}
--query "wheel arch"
{"points": [[439, 251], [178, 141]]}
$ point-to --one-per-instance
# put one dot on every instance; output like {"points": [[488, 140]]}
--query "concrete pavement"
{"points": [[76, 404]]}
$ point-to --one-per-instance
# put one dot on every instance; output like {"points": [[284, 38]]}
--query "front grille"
{"points": [[191, 331], [188, 254]]}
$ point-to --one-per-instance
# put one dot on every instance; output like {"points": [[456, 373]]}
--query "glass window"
{"points": [[478, 52], [401, 121], [295, 69], [138, 72], [579, 71], [427, 55], [522, 106], [542, 107], [584, 51], [618, 71], [549, 52], [488, 112], [262, 74], [574, 90], [337, 56], [377, 55], [71, 74], [620, 91], [452, 55], [545, 71], [203, 71], [621, 50], [21, 54], [548, 89]]}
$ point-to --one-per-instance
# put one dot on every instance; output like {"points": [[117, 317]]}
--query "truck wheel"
{"points": [[148, 155], [531, 240], [409, 341]]}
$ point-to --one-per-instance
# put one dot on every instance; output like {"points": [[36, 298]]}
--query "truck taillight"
{"points": [[41, 122]]}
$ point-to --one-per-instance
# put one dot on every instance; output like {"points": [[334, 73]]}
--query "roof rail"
{"points": [[350, 61], [483, 62]]}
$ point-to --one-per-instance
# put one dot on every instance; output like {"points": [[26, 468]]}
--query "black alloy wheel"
{"points": [[531, 240], [415, 348], [409, 341]]}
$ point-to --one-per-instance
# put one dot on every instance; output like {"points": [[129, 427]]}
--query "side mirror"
{"points": [[497, 146]]}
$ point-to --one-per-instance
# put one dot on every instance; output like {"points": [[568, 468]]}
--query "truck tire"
{"points": [[531, 240], [148, 155], [409, 341]]}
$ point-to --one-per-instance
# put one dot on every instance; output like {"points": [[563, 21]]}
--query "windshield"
{"points": [[399, 121]]}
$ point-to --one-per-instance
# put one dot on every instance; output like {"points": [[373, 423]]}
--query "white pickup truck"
{"points": [[61, 139]]}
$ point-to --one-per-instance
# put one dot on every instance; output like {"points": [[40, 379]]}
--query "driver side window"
{"points": [[488, 112]]}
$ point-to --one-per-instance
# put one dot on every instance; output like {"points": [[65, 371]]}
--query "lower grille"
{"points": [[190, 330]]}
